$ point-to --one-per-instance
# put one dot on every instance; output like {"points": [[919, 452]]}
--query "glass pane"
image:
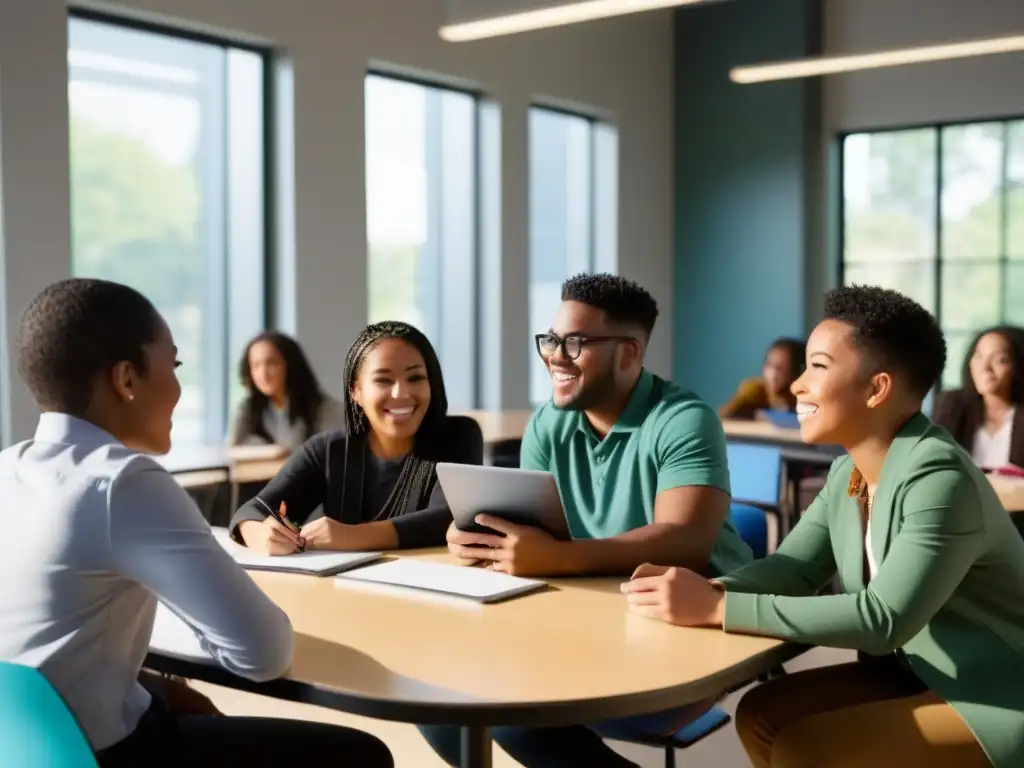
{"points": [[152, 201], [913, 279], [561, 222], [956, 350], [970, 295], [1014, 294], [421, 219], [1015, 191], [972, 171], [889, 196]]}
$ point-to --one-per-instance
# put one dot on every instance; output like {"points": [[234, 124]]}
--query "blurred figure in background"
{"points": [[783, 364]]}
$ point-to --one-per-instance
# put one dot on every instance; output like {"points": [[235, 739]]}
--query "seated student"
{"points": [[984, 416], [371, 485], [103, 532], [932, 568], [284, 404], [640, 464], [783, 363]]}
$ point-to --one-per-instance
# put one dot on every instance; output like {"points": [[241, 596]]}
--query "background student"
{"points": [[284, 404], [985, 416], [371, 485], [783, 364], [641, 467], [111, 533], [932, 570]]}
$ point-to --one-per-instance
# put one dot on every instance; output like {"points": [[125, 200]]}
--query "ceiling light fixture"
{"points": [[556, 16], [830, 65]]}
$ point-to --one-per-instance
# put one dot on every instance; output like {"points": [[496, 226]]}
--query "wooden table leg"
{"points": [[476, 747]]}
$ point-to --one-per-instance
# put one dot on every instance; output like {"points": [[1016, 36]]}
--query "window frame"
{"points": [[938, 261], [216, 420], [476, 308]]}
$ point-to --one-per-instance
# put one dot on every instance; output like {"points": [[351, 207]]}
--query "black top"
{"points": [[337, 476]]}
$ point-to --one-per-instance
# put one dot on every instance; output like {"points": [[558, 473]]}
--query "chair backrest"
{"points": [[752, 525], [505, 453], [755, 473], [37, 730]]}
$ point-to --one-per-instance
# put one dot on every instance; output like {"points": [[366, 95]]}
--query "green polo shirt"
{"points": [[666, 438]]}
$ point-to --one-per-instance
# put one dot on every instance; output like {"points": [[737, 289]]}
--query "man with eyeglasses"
{"points": [[641, 467]]}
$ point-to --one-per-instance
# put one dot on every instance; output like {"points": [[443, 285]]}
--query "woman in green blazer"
{"points": [[934, 602]]}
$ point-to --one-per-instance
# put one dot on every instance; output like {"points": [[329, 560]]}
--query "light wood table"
{"points": [[1010, 491], [571, 654], [500, 425], [762, 431]]}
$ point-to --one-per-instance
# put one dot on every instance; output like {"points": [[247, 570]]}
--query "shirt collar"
{"points": [[636, 409], [71, 430]]}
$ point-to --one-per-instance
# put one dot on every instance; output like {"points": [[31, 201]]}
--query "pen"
{"points": [[282, 520]]}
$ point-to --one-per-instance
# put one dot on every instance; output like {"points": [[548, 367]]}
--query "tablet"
{"points": [[521, 496]]}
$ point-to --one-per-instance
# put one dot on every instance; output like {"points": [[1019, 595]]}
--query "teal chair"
{"points": [[37, 730]]}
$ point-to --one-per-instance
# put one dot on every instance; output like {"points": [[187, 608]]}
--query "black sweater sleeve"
{"points": [[462, 443], [301, 483]]}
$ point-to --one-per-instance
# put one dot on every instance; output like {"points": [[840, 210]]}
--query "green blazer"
{"points": [[948, 593]]}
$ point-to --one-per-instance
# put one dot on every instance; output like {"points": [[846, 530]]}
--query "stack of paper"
{"points": [[478, 584], [310, 563]]}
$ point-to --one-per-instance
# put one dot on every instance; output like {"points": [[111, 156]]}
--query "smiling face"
{"points": [[777, 370], [150, 399], [591, 379], [268, 370], [838, 393], [392, 388], [991, 366]]}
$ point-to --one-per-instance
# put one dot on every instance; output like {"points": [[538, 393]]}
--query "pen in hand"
{"points": [[282, 517]]}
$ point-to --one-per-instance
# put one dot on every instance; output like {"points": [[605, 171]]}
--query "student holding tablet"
{"points": [[104, 532], [931, 566], [371, 486], [641, 468]]}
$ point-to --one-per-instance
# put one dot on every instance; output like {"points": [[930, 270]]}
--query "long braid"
{"points": [[417, 473]]}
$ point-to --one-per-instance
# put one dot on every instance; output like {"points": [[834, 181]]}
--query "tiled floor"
{"points": [[721, 750]]}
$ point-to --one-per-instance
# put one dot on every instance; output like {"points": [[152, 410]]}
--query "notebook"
{"points": [[479, 584], [309, 563]]}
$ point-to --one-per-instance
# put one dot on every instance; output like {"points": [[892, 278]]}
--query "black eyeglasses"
{"points": [[572, 346]]}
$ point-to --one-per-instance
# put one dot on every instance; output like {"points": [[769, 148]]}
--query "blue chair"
{"points": [[752, 525], [37, 730], [694, 731], [755, 473]]}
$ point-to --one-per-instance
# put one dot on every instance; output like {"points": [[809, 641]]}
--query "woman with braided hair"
{"points": [[371, 485]]}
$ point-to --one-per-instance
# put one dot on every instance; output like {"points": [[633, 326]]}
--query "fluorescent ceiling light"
{"points": [[829, 65], [556, 16]]}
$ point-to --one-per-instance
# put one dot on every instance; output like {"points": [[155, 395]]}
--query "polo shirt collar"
{"points": [[64, 429], [636, 410]]}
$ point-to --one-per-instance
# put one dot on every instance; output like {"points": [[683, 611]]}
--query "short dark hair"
{"points": [[1014, 337], [305, 397], [76, 329], [622, 300], [901, 334]]}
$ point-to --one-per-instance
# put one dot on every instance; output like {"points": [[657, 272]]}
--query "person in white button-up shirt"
{"points": [[99, 532]]}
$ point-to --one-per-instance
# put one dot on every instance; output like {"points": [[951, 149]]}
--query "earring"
{"points": [[130, 398]]}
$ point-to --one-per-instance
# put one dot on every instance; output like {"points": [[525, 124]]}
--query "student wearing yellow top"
{"points": [[783, 363], [931, 566]]}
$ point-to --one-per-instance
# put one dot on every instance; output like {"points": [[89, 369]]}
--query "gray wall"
{"points": [[621, 68]]}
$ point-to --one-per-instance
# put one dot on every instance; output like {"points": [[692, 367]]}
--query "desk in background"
{"points": [[571, 654]]}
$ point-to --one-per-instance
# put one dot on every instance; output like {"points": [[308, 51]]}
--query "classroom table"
{"points": [[1010, 491], [569, 654]]}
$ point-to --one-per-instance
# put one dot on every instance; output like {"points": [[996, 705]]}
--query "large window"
{"points": [[938, 214], [573, 215], [422, 222], [167, 193]]}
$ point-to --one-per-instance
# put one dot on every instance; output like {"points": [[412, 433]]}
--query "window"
{"points": [[167, 194], [422, 222], [938, 214], [573, 215]]}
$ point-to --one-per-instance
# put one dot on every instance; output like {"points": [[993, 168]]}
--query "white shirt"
{"points": [[991, 450], [872, 565], [94, 534]]}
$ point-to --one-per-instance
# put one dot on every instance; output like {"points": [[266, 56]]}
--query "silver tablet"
{"points": [[521, 496]]}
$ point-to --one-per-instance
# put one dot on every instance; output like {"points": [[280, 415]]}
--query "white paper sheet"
{"points": [[475, 583], [312, 563]]}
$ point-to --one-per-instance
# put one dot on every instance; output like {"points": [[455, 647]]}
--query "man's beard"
{"points": [[592, 394]]}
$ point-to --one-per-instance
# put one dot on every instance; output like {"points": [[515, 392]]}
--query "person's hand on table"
{"points": [[522, 551], [676, 595], [269, 537], [326, 533]]}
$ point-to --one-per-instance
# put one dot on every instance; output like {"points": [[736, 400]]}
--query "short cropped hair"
{"points": [[75, 330], [896, 331], [622, 300]]}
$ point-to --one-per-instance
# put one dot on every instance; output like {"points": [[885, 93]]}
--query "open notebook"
{"points": [[479, 584], [310, 563]]}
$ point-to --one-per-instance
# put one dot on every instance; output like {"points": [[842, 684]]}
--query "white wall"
{"points": [[620, 67], [991, 86]]}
